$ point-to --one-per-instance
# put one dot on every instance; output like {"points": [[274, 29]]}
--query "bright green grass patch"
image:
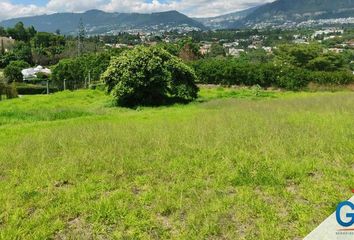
{"points": [[230, 168], [64, 105]]}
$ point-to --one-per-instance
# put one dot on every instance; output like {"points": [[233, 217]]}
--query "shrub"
{"points": [[333, 78], [31, 89], [10, 91], [292, 78], [13, 71], [236, 72], [227, 71], [149, 76]]}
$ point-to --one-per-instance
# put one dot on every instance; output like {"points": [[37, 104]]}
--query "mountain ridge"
{"points": [[287, 13], [280, 13], [100, 22]]}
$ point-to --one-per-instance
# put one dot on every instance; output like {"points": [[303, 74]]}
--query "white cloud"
{"points": [[73, 6], [199, 8], [9, 10]]}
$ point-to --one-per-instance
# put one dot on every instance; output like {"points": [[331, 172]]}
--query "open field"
{"points": [[237, 164]]}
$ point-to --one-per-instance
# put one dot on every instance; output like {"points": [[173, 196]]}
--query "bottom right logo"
{"points": [[345, 218]]}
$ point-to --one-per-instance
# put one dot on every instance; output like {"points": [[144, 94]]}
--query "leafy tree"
{"points": [[68, 74], [216, 50], [31, 31], [13, 71], [22, 51], [77, 71], [149, 76], [188, 52], [45, 40], [328, 62], [18, 32], [299, 55], [171, 48]]}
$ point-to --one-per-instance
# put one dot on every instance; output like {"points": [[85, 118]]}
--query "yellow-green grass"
{"points": [[237, 164]]}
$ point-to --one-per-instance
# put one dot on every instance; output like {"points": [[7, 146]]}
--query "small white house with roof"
{"points": [[30, 74]]}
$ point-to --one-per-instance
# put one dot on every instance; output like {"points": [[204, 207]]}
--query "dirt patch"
{"points": [[351, 86], [75, 229], [62, 183]]}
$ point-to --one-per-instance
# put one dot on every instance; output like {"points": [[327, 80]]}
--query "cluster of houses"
{"points": [[328, 33], [237, 47], [323, 35]]}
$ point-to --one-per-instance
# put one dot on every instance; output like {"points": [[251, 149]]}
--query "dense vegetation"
{"points": [[291, 67]]}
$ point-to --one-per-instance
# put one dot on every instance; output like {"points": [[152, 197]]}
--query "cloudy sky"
{"points": [[195, 8]]}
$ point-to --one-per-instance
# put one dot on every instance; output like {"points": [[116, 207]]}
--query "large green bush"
{"points": [[13, 71], [149, 76]]}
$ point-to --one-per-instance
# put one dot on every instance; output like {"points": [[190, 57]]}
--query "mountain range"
{"points": [[227, 20], [293, 13], [99, 22], [280, 13]]}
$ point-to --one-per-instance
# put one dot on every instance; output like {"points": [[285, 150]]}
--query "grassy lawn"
{"points": [[236, 164]]}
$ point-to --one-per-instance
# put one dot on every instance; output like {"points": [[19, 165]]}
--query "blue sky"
{"points": [[37, 2], [193, 8]]}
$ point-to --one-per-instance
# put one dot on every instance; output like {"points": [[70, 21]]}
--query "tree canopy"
{"points": [[149, 76]]}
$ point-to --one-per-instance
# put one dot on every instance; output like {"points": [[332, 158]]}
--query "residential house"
{"points": [[235, 52]]}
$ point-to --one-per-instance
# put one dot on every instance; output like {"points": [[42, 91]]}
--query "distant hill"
{"points": [[227, 20], [99, 22], [294, 12], [287, 13]]}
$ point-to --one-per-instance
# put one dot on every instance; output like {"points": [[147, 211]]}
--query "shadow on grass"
{"points": [[161, 102]]}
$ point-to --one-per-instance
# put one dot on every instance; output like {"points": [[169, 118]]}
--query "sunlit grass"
{"points": [[236, 165]]}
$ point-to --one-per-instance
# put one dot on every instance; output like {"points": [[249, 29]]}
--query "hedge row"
{"points": [[234, 72], [29, 89]]}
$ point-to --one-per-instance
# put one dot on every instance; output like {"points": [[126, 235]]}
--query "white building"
{"points": [[205, 48], [235, 52], [268, 49], [327, 32], [31, 73], [230, 45]]}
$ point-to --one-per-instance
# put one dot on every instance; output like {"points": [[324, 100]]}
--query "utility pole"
{"points": [[89, 77], [64, 84], [81, 34]]}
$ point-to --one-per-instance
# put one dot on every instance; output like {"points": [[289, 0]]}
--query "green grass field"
{"points": [[236, 164]]}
